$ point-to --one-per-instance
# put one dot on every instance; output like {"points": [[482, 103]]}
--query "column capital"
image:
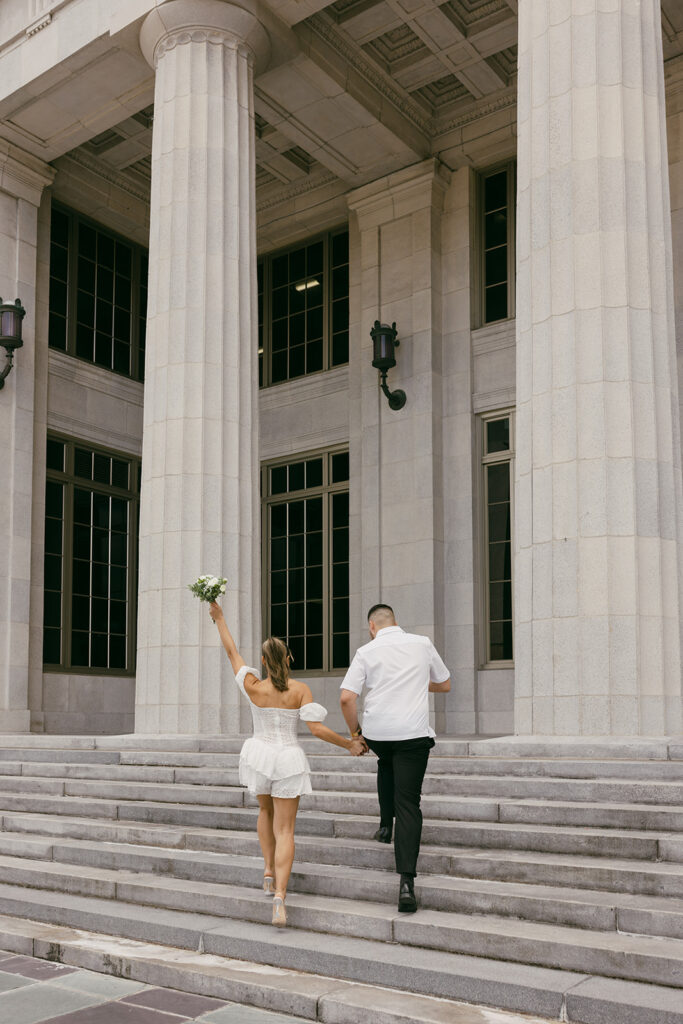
{"points": [[216, 21], [23, 175], [428, 179]]}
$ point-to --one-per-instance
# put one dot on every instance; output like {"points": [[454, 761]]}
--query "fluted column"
{"points": [[598, 473], [200, 498]]}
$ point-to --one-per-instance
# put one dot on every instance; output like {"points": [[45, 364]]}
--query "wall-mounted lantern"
{"points": [[384, 343], [11, 315]]}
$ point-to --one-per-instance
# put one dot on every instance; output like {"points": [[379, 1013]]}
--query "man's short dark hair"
{"points": [[382, 607]]}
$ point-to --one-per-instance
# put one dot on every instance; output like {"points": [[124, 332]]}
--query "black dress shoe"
{"points": [[407, 903], [383, 834]]}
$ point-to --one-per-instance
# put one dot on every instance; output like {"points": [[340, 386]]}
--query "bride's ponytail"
{"points": [[276, 658]]}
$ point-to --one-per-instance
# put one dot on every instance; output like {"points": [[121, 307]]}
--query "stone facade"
{"points": [[273, 123]]}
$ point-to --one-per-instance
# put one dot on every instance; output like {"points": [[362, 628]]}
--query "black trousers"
{"points": [[401, 766]]}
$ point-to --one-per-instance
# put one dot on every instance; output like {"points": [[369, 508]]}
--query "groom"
{"points": [[399, 670]]}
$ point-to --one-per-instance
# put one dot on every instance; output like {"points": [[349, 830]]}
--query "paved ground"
{"points": [[34, 990]]}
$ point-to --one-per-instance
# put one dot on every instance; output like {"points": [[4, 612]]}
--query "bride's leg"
{"points": [[266, 836], [283, 826]]}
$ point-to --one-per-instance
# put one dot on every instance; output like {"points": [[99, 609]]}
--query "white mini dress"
{"points": [[272, 762]]}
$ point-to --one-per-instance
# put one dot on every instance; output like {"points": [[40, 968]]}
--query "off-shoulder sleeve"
{"points": [[242, 673], [312, 713]]}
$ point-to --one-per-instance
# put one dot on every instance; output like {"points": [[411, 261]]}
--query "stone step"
{"points": [[46, 755]]}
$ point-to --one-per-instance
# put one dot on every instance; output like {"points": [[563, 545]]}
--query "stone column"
{"points": [[200, 495], [598, 473], [22, 180]]}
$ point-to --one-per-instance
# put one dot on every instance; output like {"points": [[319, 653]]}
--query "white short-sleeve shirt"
{"points": [[396, 668]]}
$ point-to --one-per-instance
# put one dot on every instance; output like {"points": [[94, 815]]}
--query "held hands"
{"points": [[215, 611], [358, 747]]}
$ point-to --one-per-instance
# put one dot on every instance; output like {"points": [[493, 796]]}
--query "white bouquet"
{"points": [[208, 588]]}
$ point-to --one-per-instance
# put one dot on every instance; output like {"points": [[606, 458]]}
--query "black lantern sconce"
{"points": [[11, 315], [384, 342]]}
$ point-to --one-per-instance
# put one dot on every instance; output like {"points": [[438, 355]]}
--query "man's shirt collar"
{"points": [[388, 629]]}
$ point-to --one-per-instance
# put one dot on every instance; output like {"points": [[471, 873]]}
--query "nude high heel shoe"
{"points": [[268, 885], [279, 912]]}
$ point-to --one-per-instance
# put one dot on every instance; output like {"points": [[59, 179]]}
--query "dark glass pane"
{"points": [[105, 250], [259, 275], [314, 324], [85, 342], [278, 620], [280, 271], [117, 652], [280, 335], [80, 612], [297, 264], [340, 650], [296, 585], [340, 580], [278, 480], [500, 601], [121, 357], [86, 275], [98, 651], [53, 572], [85, 309], [296, 552], [496, 303], [83, 463], [498, 482], [495, 191], [104, 312], [100, 619], [100, 545], [297, 299], [55, 455], [499, 522], [52, 646], [80, 648], [314, 549], [507, 640], [100, 580], [500, 641], [59, 262], [499, 561], [498, 435], [314, 258], [57, 332], [314, 583], [340, 509], [340, 615], [81, 576], [296, 517], [119, 474], [82, 506], [103, 349], [118, 582], [296, 618], [297, 476], [278, 554], [278, 367], [81, 541], [119, 549], [122, 291], [121, 324], [495, 229], [53, 537], [100, 510], [278, 587], [280, 303], [117, 617], [314, 652], [57, 297], [340, 283], [105, 284], [497, 265], [297, 647], [123, 259], [297, 361], [340, 249], [340, 348], [314, 356], [340, 545], [314, 617], [278, 520], [314, 473], [54, 497], [87, 242], [52, 609], [119, 514], [314, 514], [340, 315], [101, 468], [59, 227], [340, 467], [315, 292]]}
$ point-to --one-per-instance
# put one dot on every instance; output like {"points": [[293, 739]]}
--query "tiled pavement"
{"points": [[33, 991]]}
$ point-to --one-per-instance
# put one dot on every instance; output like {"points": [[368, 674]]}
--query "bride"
{"points": [[272, 764]]}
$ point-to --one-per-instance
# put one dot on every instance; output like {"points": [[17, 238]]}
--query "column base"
{"points": [[15, 721]]}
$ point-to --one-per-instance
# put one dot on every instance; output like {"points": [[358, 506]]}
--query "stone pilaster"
{"points": [[200, 498], [598, 472], [22, 180]]}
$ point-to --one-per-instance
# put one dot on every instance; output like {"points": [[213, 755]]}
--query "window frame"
{"points": [[326, 490], [485, 460], [266, 262], [70, 480], [510, 166], [138, 254]]}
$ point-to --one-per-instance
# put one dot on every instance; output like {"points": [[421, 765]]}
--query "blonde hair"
{"points": [[276, 657]]}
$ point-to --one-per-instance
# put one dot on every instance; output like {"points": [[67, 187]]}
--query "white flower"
{"points": [[223, 589]]}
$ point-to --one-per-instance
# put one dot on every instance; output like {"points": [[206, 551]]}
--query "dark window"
{"points": [[303, 309], [98, 295], [91, 500], [306, 521], [498, 538], [497, 236]]}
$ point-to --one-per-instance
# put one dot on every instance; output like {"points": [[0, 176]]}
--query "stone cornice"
{"points": [[94, 378], [122, 179], [297, 188], [476, 111], [23, 175], [429, 176]]}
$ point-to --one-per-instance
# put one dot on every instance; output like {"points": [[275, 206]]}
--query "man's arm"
{"points": [[349, 706], [440, 687]]}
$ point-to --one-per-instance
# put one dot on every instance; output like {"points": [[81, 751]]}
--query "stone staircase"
{"points": [[551, 876]]}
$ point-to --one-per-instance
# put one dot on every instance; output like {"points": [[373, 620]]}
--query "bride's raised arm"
{"points": [[236, 659]]}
